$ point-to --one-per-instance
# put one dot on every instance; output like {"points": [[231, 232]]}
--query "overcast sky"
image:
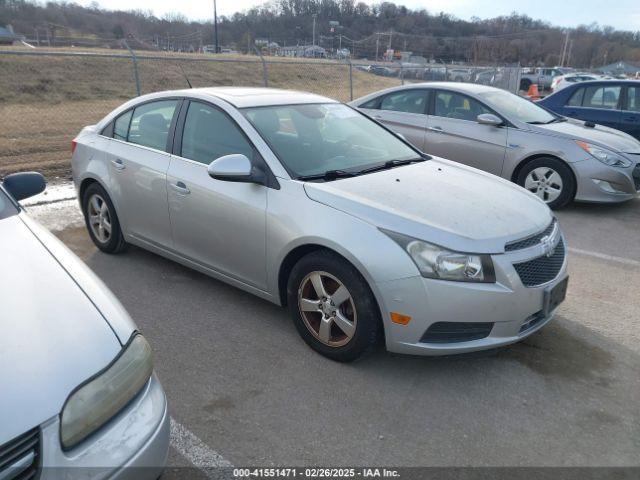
{"points": [[621, 14]]}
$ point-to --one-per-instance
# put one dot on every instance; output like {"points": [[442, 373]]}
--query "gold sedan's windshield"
{"points": [[312, 139]]}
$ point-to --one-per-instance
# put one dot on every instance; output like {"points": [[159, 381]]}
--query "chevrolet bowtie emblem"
{"points": [[547, 245]]}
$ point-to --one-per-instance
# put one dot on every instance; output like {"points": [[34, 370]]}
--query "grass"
{"points": [[46, 100]]}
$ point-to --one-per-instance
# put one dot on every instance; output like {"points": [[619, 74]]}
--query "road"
{"points": [[241, 380]]}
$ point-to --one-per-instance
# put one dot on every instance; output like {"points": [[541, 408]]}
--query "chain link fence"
{"points": [[47, 97]]}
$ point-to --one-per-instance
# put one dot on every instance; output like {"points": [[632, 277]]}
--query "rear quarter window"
{"points": [[575, 100]]}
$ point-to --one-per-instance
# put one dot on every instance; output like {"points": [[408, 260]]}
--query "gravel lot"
{"points": [[240, 379]]}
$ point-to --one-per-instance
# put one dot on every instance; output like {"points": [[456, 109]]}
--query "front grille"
{"points": [[20, 457], [530, 241], [542, 269], [636, 176], [454, 332]]}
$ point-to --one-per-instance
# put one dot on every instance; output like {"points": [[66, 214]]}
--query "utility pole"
{"points": [[569, 54], [377, 45], [215, 25], [314, 29], [564, 48]]}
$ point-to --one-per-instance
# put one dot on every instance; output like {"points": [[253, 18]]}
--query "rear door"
{"points": [[403, 112], [599, 103], [138, 162], [454, 133], [630, 121], [217, 224]]}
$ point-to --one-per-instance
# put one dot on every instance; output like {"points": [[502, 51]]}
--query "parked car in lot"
{"points": [[308, 203], [542, 77], [563, 81], [491, 129], [612, 103], [79, 398]]}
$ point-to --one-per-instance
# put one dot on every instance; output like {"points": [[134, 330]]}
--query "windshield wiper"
{"points": [[328, 175], [390, 164], [557, 120]]}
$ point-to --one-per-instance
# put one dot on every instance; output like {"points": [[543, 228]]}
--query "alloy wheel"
{"points": [[99, 218], [545, 182], [327, 309]]}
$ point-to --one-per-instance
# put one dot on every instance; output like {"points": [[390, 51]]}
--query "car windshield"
{"points": [[6, 206], [313, 139], [513, 106]]}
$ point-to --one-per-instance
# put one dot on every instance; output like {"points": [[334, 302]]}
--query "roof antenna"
{"points": [[185, 76]]}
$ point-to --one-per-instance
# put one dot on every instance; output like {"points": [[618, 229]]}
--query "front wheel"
{"points": [[333, 307], [550, 179]]}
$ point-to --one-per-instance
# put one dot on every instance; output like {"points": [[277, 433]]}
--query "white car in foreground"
{"points": [[78, 397]]}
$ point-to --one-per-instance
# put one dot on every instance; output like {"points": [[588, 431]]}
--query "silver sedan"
{"points": [[308, 203], [557, 158], [79, 397]]}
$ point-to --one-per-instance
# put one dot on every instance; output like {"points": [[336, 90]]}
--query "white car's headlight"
{"points": [[605, 156], [100, 398], [437, 262]]}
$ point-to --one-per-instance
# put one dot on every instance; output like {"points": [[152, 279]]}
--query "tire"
{"points": [[525, 84], [556, 174], [97, 203], [360, 309]]}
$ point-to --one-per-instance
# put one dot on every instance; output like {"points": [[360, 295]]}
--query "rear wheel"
{"points": [[332, 306], [550, 179], [101, 220]]}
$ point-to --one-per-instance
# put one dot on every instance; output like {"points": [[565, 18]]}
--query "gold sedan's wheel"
{"points": [[327, 309]]}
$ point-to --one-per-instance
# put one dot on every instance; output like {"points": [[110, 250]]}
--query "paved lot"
{"points": [[238, 376]]}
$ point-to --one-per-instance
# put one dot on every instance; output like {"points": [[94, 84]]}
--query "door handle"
{"points": [[118, 164], [435, 129], [181, 188]]}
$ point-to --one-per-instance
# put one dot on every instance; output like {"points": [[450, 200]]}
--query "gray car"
{"points": [[308, 203], [557, 158], [79, 398]]}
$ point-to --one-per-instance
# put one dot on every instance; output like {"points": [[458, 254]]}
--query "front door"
{"points": [[217, 224], [138, 163], [454, 133], [630, 121]]}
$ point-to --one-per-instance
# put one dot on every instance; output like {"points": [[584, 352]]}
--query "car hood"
{"points": [[52, 336], [600, 135], [439, 201]]}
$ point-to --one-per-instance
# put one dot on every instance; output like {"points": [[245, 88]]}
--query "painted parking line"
{"points": [[196, 451], [604, 256]]}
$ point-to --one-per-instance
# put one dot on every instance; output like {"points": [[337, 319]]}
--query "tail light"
{"points": [[74, 144]]}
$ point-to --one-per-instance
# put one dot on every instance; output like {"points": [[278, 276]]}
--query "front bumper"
{"points": [[132, 445], [516, 311], [597, 182]]}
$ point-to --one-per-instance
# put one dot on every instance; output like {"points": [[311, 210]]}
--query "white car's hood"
{"points": [[52, 337], [600, 135], [439, 201]]}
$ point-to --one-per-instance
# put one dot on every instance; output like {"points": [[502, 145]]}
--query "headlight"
{"points": [[96, 401], [437, 262], [605, 156]]}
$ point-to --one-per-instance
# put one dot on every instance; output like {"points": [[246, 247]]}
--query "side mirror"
{"points": [[489, 119], [235, 168], [24, 185]]}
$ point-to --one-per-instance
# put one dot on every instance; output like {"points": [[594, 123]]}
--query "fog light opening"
{"points": [[606, 186]]}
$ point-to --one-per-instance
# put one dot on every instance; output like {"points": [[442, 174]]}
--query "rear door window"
{"points": [[150, 124], [603, 97], [408, 101]]}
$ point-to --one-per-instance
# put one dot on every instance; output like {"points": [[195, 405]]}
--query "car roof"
{"points": [[469, 88], [243, 97]]}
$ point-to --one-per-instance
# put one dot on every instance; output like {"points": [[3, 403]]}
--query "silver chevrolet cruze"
{"points": [[308, 203], [559, 159]]}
